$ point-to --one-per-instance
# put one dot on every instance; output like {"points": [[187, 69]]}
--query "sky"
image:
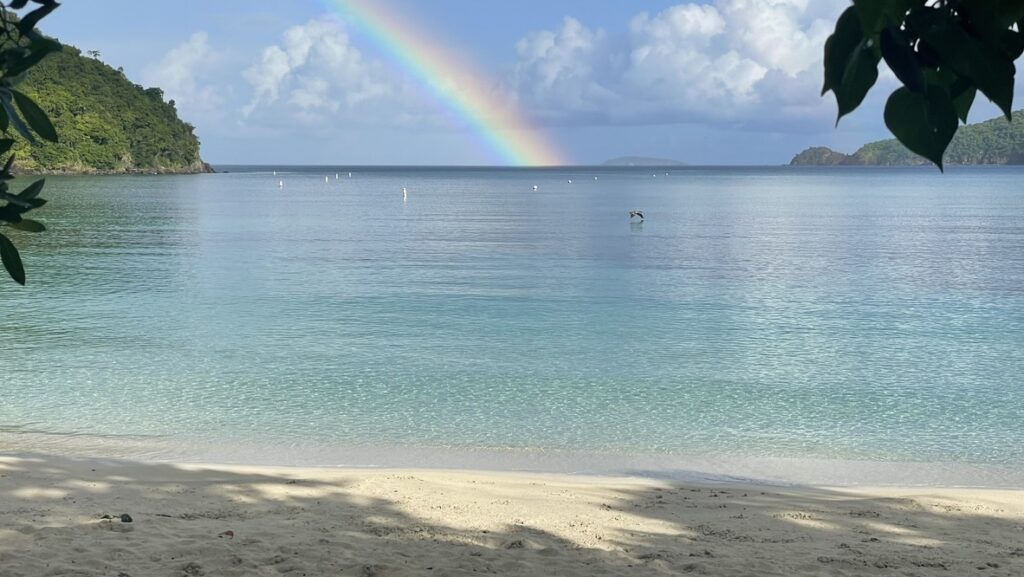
{"points": [[485, 83]]}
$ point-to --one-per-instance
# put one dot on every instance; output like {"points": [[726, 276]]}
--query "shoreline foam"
{"points": [[773, 471]]}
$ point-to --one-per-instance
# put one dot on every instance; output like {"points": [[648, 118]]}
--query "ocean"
{"points": [[840, 315]]}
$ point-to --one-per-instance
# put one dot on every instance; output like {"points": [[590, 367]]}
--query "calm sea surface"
{"points": [[849, 314]]}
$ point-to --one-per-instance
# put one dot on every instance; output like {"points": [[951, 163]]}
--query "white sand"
{"points": [[411, 522]]}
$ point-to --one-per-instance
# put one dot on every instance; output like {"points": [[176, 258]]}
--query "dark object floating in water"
{"points": [[126, 518], [633, 213]]}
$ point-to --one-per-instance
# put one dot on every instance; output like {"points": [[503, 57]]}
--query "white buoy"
{"points": [[275, 173], [350, 175], [280, 184], [595, 178], [535, 187], [335, 176], [405, 192], [570, 181], [326, 179]]}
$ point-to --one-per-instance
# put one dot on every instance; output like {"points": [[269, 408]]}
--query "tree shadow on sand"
{"points": [[382, 522]]}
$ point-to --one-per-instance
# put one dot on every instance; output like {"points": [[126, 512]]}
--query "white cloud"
{"points": [[182, 75], [729, 61], [315, 74], [747, 63]]}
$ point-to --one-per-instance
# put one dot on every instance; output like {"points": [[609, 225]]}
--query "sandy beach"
{"points": [[192, 520]]}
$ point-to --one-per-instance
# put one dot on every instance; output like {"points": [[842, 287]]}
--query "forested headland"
{"points": [[107, 124], [995, 141]]}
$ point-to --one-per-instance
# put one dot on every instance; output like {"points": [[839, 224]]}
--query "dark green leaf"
{"points": [[12, 260], [38, 49], [839, 48], [7, 165], [924, 123], [963, 102], [35, 116], [860, 76], [1012, 44], [16, 122], [877, 14], [29, 225], [991, 70], [900, 57], [29, 21], [10, 213], [987, 19], [32, 190], [13, 199], [871, 13]]}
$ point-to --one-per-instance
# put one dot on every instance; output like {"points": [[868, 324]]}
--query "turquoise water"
{"points": [[770, 312]]}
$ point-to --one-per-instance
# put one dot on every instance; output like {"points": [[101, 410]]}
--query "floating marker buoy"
{"points": [[535, 187]]}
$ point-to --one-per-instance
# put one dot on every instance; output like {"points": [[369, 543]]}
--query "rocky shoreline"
{"points": [[199, 168]]}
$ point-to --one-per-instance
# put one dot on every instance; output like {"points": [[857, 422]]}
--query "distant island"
{"points": [[106, 123], [994, 141], [641, 161]]}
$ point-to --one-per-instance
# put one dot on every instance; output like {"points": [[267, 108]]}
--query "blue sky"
{"points": [[723, 82]]}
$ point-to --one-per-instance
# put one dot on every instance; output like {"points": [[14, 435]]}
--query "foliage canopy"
{"points": [[21, 48], [942, 51], [106, 122]]}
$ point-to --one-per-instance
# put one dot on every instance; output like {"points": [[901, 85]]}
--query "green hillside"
{"points": [[994, 141], [104, 121]]}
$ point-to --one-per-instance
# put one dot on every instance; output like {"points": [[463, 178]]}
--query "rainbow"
{"points": [[500, 125]]}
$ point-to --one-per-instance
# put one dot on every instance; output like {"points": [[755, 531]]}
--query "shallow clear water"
{"points": [[808, 313]]}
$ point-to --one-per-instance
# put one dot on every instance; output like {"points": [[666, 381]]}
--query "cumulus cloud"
{"points": [[183, 73], [315, 73], [746, 63], [731, 61]]}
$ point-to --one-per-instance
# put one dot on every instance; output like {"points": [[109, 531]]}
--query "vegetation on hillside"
{"points": [[106, 123], [995, 141]]}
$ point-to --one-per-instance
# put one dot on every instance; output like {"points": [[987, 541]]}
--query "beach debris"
{"points": [[123, 523], [229, 534]]}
